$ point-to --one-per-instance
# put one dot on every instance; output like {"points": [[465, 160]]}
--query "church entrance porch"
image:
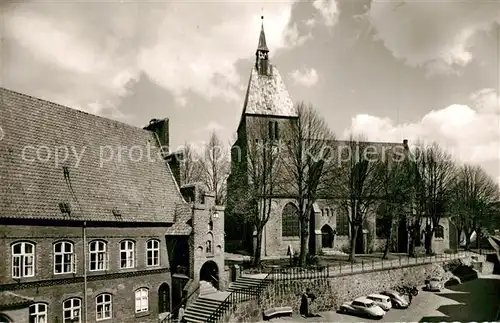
{"points": [[327, 236], [210, 272]]}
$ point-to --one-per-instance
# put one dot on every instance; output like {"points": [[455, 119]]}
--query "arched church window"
{"points": [[290, 221]]}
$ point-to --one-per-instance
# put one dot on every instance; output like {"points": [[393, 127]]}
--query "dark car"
{"points": [[397, 300]]}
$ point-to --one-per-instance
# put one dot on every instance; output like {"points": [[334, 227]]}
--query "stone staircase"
{"points": [[207, 302], [210, 298], [247, 281]]}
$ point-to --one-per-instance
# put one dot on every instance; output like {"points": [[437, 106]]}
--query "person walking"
{"points": [[290, 253]]}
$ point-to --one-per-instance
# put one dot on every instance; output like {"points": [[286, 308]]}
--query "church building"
{"points": [[267, 101]]}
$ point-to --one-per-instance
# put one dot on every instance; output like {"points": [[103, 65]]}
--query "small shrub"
{"points": [[346, 249], [312, 260]]}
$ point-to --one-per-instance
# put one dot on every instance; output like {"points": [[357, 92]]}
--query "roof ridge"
{"points": [[73, 109]]}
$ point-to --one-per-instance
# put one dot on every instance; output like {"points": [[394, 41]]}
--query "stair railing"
{"points": [[245, 294], [172, 316]]}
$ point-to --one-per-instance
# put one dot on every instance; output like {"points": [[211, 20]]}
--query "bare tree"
{"points": [[474, 193], [395, 191], [264, 163], [434, 171], [191, 166], [357, 185], [215, 168], [308, 145]]}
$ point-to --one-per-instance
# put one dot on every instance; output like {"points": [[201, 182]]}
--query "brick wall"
{"points": [[121, 283]]}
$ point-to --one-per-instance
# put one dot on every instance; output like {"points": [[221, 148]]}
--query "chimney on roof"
{"points": [[160, 127]]}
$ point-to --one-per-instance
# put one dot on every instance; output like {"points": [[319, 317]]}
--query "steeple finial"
{"points": [[262, 39]]}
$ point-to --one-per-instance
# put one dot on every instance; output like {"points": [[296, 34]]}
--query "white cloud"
{"points": [[436, 35], [305, 76], [328, 10], [214, 126], [52, 49], [471, 134]]}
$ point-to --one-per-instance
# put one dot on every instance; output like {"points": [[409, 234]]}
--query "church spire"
{"points": [[262, 39], [262, 53]]}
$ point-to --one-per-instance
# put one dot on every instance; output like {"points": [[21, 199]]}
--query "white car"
{"points": [[382, 301], [362, 307]]}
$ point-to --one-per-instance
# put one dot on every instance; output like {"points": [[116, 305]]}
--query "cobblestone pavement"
{"points": [[477, 300]]}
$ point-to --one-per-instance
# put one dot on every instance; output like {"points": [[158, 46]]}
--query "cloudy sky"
{"points": [[389, 69]]}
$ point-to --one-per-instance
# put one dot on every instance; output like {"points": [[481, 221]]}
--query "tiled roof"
{"points": [[9, 299], [140, 189], [267, 95], [183, 216]]}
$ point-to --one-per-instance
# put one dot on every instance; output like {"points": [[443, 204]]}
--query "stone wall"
{"points": [[331, 292]]}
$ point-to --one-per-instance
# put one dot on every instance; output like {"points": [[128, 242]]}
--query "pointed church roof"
{"points": [[267, 95], [262, 39]]}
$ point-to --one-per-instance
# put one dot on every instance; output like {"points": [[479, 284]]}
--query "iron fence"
{"points": [[325, 271], [228, 306]]}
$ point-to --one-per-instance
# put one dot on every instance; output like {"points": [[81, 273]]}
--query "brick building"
{"points": [[268, 102], [93, 225]]}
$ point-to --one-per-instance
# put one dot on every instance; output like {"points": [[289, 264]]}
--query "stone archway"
{"points": [[327, 236], [210, 272], [164, 298]]}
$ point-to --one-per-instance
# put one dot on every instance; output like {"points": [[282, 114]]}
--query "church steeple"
{"points": [[262, 39], [262, 53]]}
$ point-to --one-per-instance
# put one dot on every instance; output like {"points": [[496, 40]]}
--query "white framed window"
{"points": [[98, 256], [72, 309], [103, 307], [38, 313], [141, 300], [64, 258], [23, 259], [127, 254], [153, 253]]}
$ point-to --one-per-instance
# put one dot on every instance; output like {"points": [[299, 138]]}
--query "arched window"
{"points": [[290, 221], [439, 232], [72, 309], [38, 313], [5, 319], [23, 259], [209, 249], [98, 255], [103, 307], [141, 300], [327, 212], [64, 258], [153, 253], [342, 224], [210, 225], [127, 254]]}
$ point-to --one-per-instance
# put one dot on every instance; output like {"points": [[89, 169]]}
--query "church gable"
{"points": [[267, 95]]}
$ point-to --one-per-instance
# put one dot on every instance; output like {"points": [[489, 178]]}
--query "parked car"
{"points": [[362, 307], [397, 300], [433, 285], [384, 302]]}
